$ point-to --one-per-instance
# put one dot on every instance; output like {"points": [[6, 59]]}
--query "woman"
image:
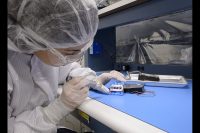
{"points": [[45, 39]]}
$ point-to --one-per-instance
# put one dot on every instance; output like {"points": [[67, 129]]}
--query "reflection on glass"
{"points": [[161, 40], [105, 3]]}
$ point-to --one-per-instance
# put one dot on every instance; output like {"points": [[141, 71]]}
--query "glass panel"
{"points": [[162, 40]]}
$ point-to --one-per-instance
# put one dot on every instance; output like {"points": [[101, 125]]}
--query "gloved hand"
{"points": [[96, 82], [75, 91], [105, 77], [73, 94], [89, 75]]}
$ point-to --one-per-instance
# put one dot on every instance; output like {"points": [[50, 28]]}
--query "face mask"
{"points": [[62, 60]]}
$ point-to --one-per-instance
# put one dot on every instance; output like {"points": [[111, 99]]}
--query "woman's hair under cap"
{"points": [[42, 24]]}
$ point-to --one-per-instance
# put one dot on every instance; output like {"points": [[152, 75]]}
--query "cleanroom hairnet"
{"points": [[42, 24]]}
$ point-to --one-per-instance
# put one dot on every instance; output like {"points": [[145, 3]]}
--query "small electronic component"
{"points": [[116, 89], [133, 88], [148, 77]]}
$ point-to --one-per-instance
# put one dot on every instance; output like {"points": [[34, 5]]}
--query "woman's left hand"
{"points": [[105, 77]]}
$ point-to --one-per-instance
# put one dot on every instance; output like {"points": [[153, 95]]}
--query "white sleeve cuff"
{"points": [[56, 110]]}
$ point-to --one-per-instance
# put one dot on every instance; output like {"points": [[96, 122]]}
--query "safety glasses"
{"points": [[66, 59]]}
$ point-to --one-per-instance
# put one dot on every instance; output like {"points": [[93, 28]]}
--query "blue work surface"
{"points": [[170, 109]]}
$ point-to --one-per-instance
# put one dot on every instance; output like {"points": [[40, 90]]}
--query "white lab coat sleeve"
{"points": [[10, 119], [65, 70], [38, 120]]}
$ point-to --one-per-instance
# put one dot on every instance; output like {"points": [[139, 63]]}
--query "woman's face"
{"points": [[51, 59]]}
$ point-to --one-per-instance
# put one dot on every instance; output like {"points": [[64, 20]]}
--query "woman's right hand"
{"points": [[74, 92]]}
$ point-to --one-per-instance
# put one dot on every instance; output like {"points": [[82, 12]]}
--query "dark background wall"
{"points": [[106, 59], [106, 36]]}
